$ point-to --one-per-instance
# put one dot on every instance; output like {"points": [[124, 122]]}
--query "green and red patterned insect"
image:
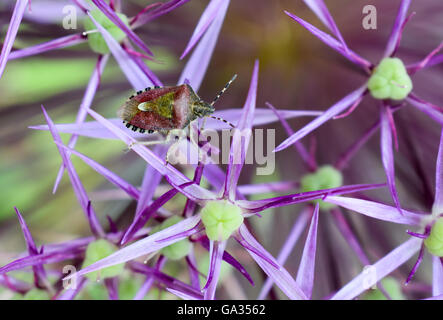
{"points": [[166, 109]]}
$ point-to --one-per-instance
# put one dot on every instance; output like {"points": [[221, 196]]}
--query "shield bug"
{"points": [[166, 110]]}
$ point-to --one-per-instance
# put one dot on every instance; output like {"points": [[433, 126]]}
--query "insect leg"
{"points": [[173, 136], [150, 143]]}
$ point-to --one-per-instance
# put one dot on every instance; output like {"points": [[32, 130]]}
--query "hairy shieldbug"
{"points": [[166, 109]]}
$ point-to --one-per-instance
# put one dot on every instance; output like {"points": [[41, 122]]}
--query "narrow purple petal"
{"points": [[75, 244], [344, 159], [426, 108], [416, 264], [39, 271], [32, 248], [190, 205], [288, 246], [322, 12], [82, 5], [14, 284], [142, 247], [111, 285], [208, 16], [106, 9], [16, 18], [304, 154], [94, 129], [141, 219], [348, 235], [333, 43], [377, 210], [262, 116], [215, 253], [414, 67], [42, 258], [92, 87], [168, 281], [59, 43], [438, 201], [70, 294], [337, 108], [109, 175], [387, 154], [430, 60], [439, 297], [260, 205], [437, 276], [197, 65], [279, 186], [144, 289], [306, 270], [141, 64], [151, 180], [132, 71], [182, 294], [242, 134], [381, 269], [158, 12], [229, 259], [397, 29], [280, 276], [142, 13], [194, 274], [79, 190], [187, 233], [188, 193]]}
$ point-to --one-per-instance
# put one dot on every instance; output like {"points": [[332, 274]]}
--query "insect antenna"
{"points": [[216, 98], [221, 119], [223, 90]]}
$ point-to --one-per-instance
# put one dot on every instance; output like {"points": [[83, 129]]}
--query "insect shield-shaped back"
{"points": [[163, 109]]}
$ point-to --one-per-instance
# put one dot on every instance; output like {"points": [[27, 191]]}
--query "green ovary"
{"points": [[390, 80], [221, 219], [96, 40], [96, 251], [326, 177], [434, 242], [178, 249]]}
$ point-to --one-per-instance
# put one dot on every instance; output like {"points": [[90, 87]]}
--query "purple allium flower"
{"points": [[419, 242], [224, 217], [166, 230], [389, 75]]}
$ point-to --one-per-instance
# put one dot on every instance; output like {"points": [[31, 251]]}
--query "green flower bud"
{"points": [[96, 251], [95, 39], [178, 249], [221, 219], [390, 80], [326, 177], [434, 243]]}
